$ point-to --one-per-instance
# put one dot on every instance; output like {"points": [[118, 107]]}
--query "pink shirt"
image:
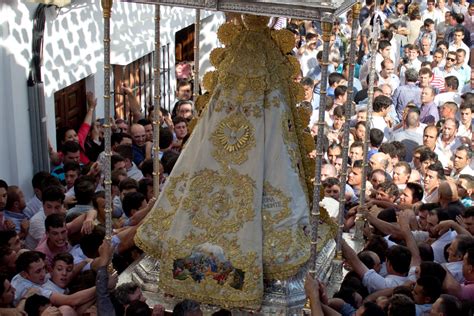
{"points": [[43, 247], [467, 290]]}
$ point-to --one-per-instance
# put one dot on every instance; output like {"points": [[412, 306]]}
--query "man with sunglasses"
{"points": [[448, 69]]}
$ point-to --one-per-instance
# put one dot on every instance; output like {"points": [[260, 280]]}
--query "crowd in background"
{"points": [[418, 258]]}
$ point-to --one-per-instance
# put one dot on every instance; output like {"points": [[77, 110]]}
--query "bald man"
{"points": [[328, 171], [381, 161], [139, 144]]}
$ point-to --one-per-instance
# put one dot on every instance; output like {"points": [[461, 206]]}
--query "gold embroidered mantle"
{"points": [[235, 209]]}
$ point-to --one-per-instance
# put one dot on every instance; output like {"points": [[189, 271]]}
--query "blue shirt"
{"points": [[409, 92], [16, 218], [58, 172], [33, 206], [138, 154], [77, 210], [429, 113], [22, 285], [423, 309]]}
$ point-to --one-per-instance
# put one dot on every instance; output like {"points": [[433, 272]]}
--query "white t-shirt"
{"points": [[444, 97], [455, 268], [379, 123], [36, 231], [440, 243], [375, 282]]}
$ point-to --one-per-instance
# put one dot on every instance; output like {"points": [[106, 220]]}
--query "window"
{"points": [[138, 75]]}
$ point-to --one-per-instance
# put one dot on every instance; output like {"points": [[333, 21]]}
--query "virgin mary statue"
{"points": [[235, 210]]}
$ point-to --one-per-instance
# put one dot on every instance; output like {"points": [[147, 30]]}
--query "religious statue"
{"points": [[235, 209]]}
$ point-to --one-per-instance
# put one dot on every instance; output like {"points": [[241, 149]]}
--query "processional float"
{"points": [[283, 296]]}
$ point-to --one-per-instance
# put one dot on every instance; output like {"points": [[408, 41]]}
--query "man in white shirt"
{"points": [[448, 142], [413, 62], [438, 59], [307, 54], [458, 43], [383, 53], [461, 162], [461, 67], [32, 274], [434, 175], [431, 12], [387, 74], [381, 107], [448, 69], [451, 94], [425, 49], [397, 262], [125, 151], [465, 128], [53, 198], [456, 252], [434, 218]]}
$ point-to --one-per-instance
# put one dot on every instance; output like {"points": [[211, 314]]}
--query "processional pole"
{"points": [[360, 220], [107, 12], [197, 31], [326, 26], [345, 142], [156, 112]]}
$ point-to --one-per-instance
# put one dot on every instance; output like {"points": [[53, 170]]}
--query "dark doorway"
{"points": [[184, 41], [70, 105]]}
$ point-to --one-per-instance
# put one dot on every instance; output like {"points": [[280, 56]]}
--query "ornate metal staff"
{"points": [[169, 75], [156, 112], [107, 12], [359, 223], [197, 31], [163, 51], [345, 142], [326, 26]]}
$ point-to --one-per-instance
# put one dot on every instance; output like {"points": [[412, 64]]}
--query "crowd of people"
{"points": [[53, 251], [418, 255], [418, 258]]}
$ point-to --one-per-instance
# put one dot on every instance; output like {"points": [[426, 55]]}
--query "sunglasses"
{"points": [[451, 59]]}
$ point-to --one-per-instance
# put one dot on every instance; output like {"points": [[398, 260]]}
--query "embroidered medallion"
{"points": [[233, 139]]}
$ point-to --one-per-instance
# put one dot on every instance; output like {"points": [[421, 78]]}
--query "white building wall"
{"points": [[16, 165], [72, 51]]}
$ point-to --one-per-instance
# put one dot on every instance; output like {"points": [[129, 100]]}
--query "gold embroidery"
{"points": [[159, 221], [217, 56], [219, 202], [284, 252], [289, 138], [284, 249], [209, 291], [233, 139], [290, 130], [201, 102], [295, 65], [284, 39], [218, 206], [209, 81], [228, 32], [255, 22], [192, 124]]}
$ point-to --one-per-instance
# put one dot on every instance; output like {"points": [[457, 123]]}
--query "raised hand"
{"points": [[91, 100]]}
